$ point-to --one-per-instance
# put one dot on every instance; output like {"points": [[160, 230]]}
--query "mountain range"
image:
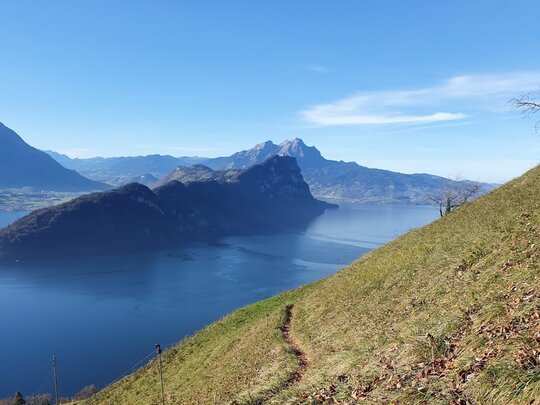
{"points": [[264, 198], [22, 166], [328, 179], [125, 169], [341, 181]]}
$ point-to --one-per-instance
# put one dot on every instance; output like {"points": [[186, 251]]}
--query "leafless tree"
{"points": [[528, 104], [86, 392], [453, 195]]}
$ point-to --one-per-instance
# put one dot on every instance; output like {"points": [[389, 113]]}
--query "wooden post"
{"points": [[158, 350], [55, 380]]}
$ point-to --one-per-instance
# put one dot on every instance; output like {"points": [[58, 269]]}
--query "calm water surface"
{"points": [[99, 316]]}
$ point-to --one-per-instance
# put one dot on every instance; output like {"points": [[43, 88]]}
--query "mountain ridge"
{"points": [[22, 166], [120, 170], [331, 180], [263, 198], [341, 181]]}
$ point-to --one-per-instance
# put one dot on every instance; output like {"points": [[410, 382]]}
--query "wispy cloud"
{"points": [[453, 99], [318, 69]]}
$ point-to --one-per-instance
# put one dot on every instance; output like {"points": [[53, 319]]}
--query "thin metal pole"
{"points": [[55, 380], [158, 350]]}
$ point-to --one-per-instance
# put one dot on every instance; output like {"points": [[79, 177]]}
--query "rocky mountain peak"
{"points": [[268, 145], [307, 156]]}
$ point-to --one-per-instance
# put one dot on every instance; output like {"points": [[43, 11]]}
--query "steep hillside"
{"points": [[264, 198], [24, 166], [447, 314]]}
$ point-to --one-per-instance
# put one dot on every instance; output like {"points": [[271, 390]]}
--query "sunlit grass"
{"points": [[447, 312]]}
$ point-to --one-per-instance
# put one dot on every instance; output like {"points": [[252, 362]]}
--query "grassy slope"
{"points": [[446, 313]]}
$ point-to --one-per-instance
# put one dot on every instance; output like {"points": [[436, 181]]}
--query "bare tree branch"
{"points": [[527, 106], [528, 103], [453, 195]]}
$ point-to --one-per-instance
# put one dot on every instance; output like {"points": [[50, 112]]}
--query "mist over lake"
{"points": [[101, 315]]}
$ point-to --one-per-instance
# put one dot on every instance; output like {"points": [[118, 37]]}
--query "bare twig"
{"points": [[528, 103]]}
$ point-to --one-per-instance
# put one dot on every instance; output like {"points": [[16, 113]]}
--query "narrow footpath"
{"points": [[300, 355], [301, 359]]}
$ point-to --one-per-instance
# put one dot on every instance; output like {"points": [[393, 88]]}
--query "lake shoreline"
{"points": [[107, 312]]}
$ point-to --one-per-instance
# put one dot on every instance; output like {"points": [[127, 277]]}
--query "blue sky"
{"points": [[415, 86]]}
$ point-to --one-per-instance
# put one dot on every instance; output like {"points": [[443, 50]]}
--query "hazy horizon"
{"points": [[450, 175], [415, 88]]}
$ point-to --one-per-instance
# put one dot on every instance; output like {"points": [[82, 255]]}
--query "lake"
{"points": [[101, 315]]}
